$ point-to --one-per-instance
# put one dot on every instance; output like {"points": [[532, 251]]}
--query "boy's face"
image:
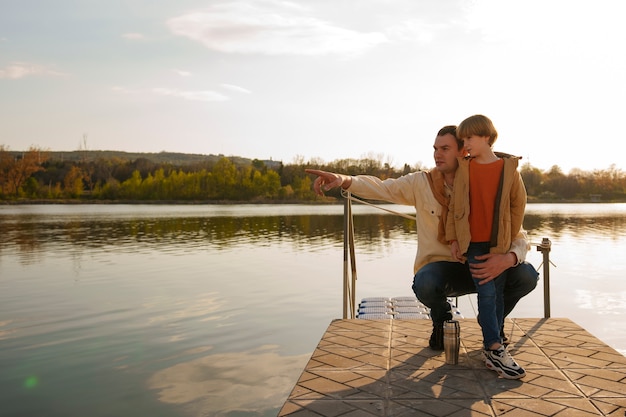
{"points": [[476, 145], [446, 152]]}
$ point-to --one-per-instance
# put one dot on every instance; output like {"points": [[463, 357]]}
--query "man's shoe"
{"points": [[436, 338], [500, 361]]}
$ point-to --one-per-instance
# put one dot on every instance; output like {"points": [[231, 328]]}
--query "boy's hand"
{"points": [[455, 251]]}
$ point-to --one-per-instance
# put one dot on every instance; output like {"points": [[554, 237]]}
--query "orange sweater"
{"points": [[483, 188]]}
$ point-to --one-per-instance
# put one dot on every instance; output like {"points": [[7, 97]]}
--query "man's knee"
{"points": [[523, 277], [442, 279], [428, 283], [422, 284]]}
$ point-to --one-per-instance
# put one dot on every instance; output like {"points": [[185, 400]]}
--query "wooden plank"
{"points": [[385, 368]]}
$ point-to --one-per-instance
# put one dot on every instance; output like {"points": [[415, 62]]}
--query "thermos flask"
{"points": [[451, 341]]}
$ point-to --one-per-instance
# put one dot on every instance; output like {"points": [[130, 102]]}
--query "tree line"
{"points": [[35, 175]]}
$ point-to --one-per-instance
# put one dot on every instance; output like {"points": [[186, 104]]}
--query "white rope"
{"points": [[347, 195]]}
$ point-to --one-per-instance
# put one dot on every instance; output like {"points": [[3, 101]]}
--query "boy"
{"points": [[486, 211]]}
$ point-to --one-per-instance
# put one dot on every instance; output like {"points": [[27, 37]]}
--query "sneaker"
{"points": [[436, 338], [500, 361]]}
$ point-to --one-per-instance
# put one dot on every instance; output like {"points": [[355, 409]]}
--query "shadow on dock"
{"points": [[384, 368]]}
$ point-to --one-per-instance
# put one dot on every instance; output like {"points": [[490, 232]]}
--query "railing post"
{"points": [[349, 273], [544, 248], [353, 269], [346, 211]]}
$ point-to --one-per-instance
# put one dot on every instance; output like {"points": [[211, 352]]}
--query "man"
{"points": [[437, 275]]}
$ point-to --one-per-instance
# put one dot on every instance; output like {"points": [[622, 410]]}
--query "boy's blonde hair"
{"points": [[478, 125]]}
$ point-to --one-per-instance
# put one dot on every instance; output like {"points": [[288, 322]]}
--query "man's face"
{"points": [[446, 152]]}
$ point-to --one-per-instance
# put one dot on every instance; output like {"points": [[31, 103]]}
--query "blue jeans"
{"points": [[490, 298], [436, 281]]}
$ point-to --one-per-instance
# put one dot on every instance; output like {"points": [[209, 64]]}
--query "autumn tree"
{"points": [[131, 187], [6, 161], [73, 183], [532, 179], [16, 170], [224, 179]]}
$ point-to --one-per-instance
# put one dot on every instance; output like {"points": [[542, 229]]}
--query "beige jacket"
{"points": [[512, 206], [414, 190]]}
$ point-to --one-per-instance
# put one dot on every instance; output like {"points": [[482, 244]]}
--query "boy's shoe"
{"points": [[500, 361], [436, 338]]}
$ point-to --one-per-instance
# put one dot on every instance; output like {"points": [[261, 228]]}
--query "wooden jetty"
{"points": [[364, 368]]}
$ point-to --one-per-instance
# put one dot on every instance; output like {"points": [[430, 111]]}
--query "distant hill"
{"points": [[173, 158]]}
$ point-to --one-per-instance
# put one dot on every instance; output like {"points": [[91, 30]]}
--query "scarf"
{"points": [[438, 187]]}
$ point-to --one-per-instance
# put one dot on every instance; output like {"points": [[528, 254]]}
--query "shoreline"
{"points": [[329, 200]]}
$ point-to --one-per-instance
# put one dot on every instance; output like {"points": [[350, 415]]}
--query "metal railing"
{"points": [[349, 261], [544, 247], [349, 279]]}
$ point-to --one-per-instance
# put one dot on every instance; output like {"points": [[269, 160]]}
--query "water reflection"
{"points": [[31, 237], [244, 382], [218, 308], [613, 303], [214, 232], [558, 225]]}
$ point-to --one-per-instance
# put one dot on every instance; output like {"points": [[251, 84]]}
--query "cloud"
{"points": [[270, 27], [416, 30], [200, 95], [17, 70], [122, 90], [236, 88], [134, 36], [205, 95], [183, 73]]}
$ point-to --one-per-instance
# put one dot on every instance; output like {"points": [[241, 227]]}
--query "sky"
{"points": [[315, 80]]}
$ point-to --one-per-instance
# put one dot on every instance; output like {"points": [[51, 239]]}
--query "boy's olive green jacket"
{"points": [[511, 207]]}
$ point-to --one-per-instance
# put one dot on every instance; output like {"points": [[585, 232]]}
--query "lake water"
{"points": [[196, 310]]}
